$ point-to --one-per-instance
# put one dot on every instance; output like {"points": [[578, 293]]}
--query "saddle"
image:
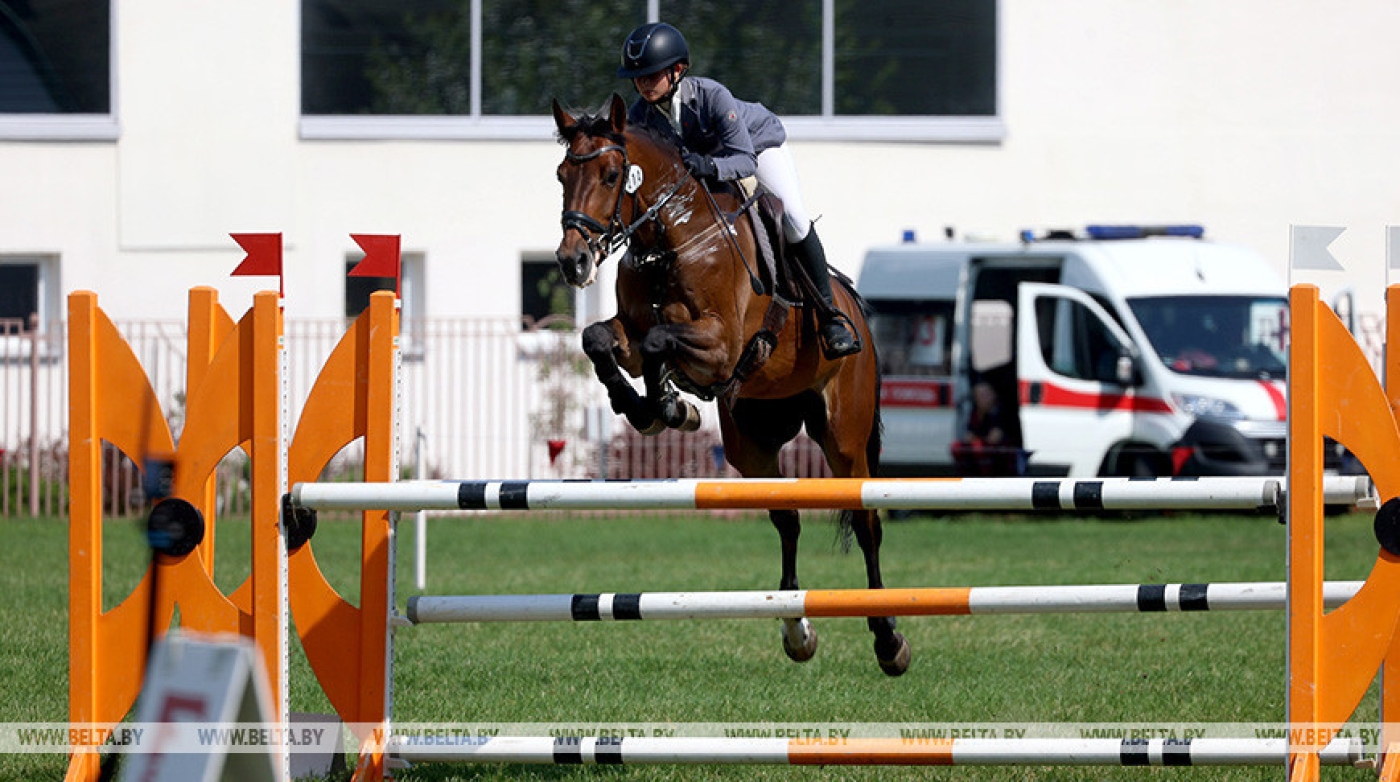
{"points": [[775, 270], [778, 275]]}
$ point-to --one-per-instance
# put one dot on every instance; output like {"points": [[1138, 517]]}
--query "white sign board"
{"points": [[209, 680]]}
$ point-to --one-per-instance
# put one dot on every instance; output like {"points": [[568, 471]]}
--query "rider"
{"points": [[726, 139]]}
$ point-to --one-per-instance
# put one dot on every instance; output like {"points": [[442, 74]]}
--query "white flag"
{"points": [[1308, 247]]}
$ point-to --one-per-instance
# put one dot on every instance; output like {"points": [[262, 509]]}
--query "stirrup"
{"points": [[838, 338]]}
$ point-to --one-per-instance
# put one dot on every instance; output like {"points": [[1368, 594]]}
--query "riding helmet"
{"points": [[651, 48]]}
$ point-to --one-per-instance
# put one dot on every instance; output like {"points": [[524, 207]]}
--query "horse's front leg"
{"points": [[608, 348], [692, 344]]}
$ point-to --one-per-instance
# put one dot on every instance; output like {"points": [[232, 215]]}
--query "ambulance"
{"points": [[1117, 351]]}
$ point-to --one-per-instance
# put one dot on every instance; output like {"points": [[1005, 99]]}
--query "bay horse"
{"points": [[689, 303]]}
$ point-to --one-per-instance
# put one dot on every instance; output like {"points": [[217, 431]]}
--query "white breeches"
{"points": [[777, 174]]}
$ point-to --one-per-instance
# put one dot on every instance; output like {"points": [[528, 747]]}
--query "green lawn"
{"points": [[1092, 668]]}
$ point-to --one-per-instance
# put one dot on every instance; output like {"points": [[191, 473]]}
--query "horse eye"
{"points": [[612, 177]]}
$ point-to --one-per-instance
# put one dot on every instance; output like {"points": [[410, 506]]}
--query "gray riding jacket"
{"points": [[732, 132]]}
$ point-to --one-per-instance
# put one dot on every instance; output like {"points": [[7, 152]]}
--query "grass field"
{"points": [[1171, 668]]}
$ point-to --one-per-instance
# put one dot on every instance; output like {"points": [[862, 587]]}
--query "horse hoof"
{"points": [[898, 663], [654, 428], [690, 418], [799, 640]]}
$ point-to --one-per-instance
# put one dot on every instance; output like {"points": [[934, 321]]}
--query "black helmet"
{"points": [[651, 48]]}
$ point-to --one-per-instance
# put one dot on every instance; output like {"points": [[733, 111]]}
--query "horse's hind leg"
{"points": [[751, 444], [849, 433], [891, 648]]}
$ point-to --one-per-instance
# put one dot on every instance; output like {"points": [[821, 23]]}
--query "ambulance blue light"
{"points": [[1143, 231]]}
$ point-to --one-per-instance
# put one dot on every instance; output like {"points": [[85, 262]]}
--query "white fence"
{"points": [[488, 396]]}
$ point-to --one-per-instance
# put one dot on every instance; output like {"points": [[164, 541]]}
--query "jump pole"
{"points": [[1315, 655], [946, 494], [865, 751], [794, 604]]}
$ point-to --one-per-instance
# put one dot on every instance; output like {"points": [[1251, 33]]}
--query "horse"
{"points": [[689, 305]]}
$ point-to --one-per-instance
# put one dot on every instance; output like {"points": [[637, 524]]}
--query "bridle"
{"points": [[603, 240]]}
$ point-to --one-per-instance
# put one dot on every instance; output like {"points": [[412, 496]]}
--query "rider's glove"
{"points": [[700, 166]]}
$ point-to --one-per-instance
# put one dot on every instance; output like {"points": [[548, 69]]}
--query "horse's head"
{"points": [[595, 175]]}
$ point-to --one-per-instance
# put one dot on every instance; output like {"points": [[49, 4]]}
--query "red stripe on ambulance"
{"points": [[916, 393], [1275, 391], [1042, 394]]}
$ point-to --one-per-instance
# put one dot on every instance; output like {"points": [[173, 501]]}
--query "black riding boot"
{"points": [[837, 338]]}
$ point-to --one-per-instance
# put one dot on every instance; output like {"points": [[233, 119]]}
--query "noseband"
{"points": [[602, 239]]}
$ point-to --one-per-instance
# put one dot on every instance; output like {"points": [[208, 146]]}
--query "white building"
{"points": [[1245, 116]]}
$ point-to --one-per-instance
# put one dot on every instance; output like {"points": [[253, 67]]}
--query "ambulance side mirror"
{"points": [[1125, 370], [1120, 369]]}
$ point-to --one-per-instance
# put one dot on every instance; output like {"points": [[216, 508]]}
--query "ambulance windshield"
{"points": [[1217, 336]]}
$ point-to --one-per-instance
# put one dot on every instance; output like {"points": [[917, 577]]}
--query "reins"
{"points": [[723, 219], [615, 233], [603, 240]]}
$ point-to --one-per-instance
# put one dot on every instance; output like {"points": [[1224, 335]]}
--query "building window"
{"points": [[916, 58], [832, 68], [544, 296], [385, 57], [358, 290], [29, 293], [29, 285], [19, 290], [55, 70]]}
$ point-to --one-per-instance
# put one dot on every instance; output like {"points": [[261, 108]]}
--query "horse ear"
{"points": [[617, 113], [562, 118]]}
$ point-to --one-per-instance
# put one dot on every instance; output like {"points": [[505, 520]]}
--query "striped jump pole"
{"points": [[863, 752], [794, 604], [944, 494]]}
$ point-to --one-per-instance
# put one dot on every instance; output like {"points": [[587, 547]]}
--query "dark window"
{"points": [[761, 50], [19, 290], [388, 57], [916, 57], [358, 289], [543, 292], [913, 337], [1074, 342], [55, 57], [890, 57], [535, 50]]}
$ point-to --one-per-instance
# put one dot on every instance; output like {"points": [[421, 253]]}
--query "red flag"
{"points": [[556, 447], [381, 257], [264, 255]]}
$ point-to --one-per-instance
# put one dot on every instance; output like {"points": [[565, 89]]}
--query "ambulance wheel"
{"points": [[1135, 464]]}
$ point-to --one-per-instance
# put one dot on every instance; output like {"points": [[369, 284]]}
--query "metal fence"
{"points": [[481, 399]]}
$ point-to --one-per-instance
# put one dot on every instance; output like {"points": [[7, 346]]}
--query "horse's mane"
{"points": [[600, 126], [592, 125]]}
